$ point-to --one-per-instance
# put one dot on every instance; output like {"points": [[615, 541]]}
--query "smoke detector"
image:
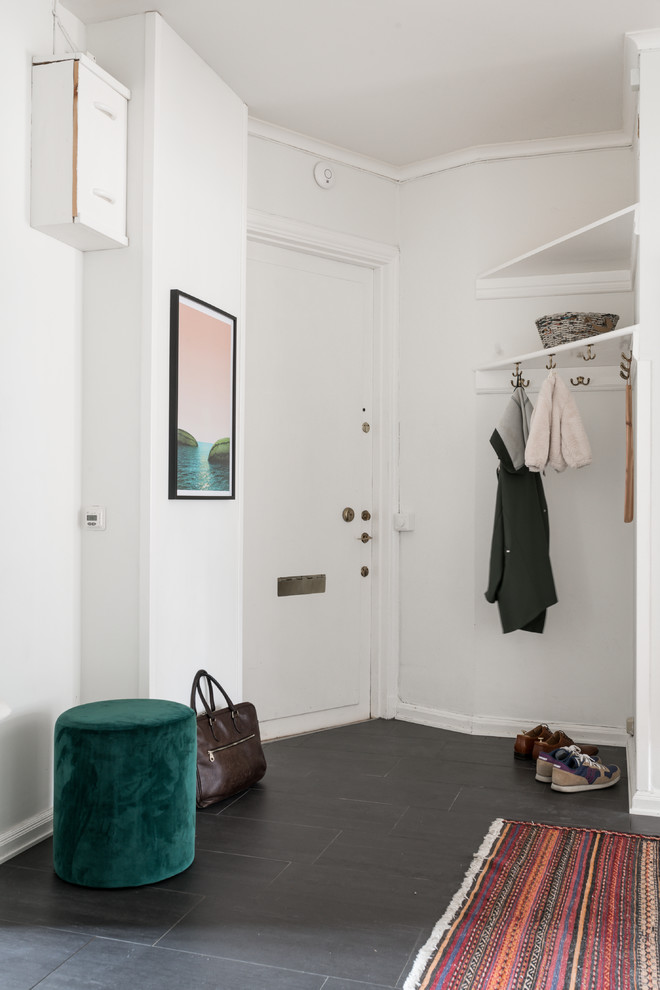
{"points": [[324, 173]]}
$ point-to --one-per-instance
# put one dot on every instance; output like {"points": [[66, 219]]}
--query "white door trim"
{"points": [[383, 259]]}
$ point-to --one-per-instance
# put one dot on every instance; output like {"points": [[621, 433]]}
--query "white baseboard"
{"points": [[631, 760], [27, 834], [487, 725], [645, 803], [299, 725]]}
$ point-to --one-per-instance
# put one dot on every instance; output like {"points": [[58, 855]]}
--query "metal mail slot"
{"points": [[301, 584]]}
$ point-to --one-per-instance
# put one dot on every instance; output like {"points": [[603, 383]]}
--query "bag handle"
{"points": [[209, 706]]}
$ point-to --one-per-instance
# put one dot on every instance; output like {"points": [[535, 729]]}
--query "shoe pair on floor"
{"points": [[569, 770], [529, 745]]}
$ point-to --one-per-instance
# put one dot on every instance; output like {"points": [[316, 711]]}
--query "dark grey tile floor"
{"points": [[329, 874]]}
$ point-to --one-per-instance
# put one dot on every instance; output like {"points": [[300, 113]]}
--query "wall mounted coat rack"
{"points": [[603, 353]]}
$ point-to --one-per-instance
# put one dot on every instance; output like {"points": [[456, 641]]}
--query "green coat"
{"points": [[520, 578]]}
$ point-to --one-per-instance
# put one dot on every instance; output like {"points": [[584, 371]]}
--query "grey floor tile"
{"points": [[335, 896], [319, 808], [110, 965], [39, 857], [644, 825], [305, 758], [268, 840], [362, 744], [536, 799], [138, 914], [333, 984], [392, 854], [212, 871], [29, 954], [452, 833], [435, 776], [400, 792], [265, 932]]}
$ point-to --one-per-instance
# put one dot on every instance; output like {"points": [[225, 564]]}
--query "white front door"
{"points": [[308, 457]]}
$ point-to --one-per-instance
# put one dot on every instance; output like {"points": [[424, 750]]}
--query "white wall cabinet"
{"points": [[79, 128]]}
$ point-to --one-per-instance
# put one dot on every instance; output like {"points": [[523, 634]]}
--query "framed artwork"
{"points": [[202, 448]]}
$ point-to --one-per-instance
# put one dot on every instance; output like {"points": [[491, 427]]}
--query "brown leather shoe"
{"points": [[524, 744], [559, 739]]}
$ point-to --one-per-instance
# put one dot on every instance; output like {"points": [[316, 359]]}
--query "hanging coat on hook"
{"points": [[520, 577], [557, 435]]}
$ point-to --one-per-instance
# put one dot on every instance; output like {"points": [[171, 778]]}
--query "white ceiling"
{"points": [[402, 81]]}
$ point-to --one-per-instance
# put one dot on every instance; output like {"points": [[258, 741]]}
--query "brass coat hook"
{"points": [[518, 381], [580, 381], [625, 367], [552, 364], [589, 356]]}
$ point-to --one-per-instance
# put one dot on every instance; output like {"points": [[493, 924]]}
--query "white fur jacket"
{"points": [[556, 436]]}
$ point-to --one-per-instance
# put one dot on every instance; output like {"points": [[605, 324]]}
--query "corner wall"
{"points": [[457, 668], [40, 320]]}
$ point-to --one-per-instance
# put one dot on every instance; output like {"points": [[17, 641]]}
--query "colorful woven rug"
{"points": [[546, 907]]}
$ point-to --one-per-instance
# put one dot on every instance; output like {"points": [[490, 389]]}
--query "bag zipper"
{"points": [[219, 749]]}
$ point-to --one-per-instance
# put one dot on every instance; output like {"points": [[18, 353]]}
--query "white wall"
{"points": [[454, 658], [647, 798], [162, 584], [198, 247], [40, 320], [281, 182], [112, 449]]}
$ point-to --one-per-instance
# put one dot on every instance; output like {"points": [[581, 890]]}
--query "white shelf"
{"points": [[572, 360], [600, 257]]}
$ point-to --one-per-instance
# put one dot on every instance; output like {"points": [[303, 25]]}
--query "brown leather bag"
{"points": [[229, 754]]}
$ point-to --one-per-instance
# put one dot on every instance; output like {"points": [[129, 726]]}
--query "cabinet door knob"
{"points": [[103, 194], [104, 108]]}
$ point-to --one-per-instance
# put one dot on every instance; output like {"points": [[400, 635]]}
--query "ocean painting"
{"points": [[202, 399], [195, 472]]}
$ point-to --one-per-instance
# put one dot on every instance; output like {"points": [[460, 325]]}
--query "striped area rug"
{"points": [[547, 907]]}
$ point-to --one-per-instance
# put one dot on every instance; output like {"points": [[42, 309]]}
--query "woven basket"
{"points": [[563, 328]]}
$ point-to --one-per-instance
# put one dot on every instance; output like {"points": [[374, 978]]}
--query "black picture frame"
{"points": [[202, 453]]}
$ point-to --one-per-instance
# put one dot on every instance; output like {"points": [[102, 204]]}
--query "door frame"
{"points": [[383, 260]]}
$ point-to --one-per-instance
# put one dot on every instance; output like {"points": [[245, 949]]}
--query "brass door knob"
{"points": [[348, 515], [364, 571], [365, 538]]}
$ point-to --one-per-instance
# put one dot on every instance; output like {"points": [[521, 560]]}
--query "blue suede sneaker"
{"points": [[582, 773], [547, 761]]}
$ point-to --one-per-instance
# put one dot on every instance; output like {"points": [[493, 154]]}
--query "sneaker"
{"points": [[546, 762], [524, 744], [580, 772], [559, 740]]}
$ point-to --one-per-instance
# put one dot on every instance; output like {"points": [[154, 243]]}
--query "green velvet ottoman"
{"points": [[124, 792]]}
